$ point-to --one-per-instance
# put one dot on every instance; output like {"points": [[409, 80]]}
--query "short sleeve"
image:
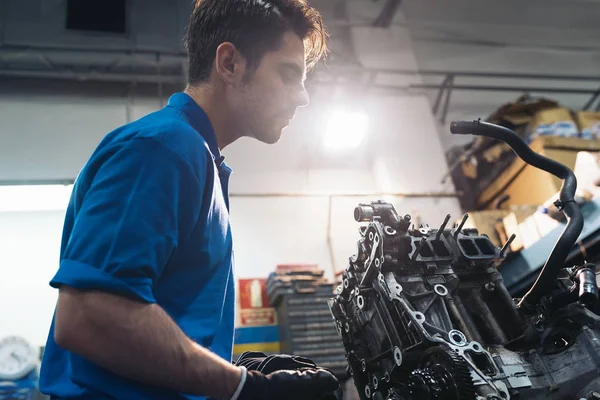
{"points": [[139, 205]]}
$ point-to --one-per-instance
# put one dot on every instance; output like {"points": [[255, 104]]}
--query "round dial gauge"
{"points": [[17, 358]]}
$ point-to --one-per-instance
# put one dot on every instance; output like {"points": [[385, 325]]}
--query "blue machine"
{"points": [[521, 270], [19, 364], [21, 389]]}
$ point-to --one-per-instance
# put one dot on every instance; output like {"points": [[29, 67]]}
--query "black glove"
{"points": [[300, 384]]}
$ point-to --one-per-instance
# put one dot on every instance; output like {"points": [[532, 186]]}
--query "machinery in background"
{"points": [[424, 313], [300, 298], [18, 369]]}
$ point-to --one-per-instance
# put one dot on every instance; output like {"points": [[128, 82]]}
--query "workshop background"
{"points": [[398, 73]]}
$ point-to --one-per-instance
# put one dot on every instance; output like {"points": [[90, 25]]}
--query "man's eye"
{"points": [[287, 77]]}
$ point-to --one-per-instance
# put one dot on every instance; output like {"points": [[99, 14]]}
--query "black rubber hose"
{"points": [[569, 236]]}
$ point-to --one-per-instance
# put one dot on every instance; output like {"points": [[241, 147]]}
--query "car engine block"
{"points": [[424, 314]]}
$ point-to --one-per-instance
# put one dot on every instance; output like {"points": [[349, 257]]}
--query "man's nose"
{"points": [[302, 98]]}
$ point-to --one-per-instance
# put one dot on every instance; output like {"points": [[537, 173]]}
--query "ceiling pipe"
{"points": [[341, 69], [105, 50], [95, 76], [387, 14]]}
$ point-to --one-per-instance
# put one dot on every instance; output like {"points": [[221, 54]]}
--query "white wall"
{"points": [[47, 137], [29, 252]]}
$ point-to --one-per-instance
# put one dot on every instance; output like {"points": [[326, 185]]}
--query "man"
{"points": [[146, 287]]}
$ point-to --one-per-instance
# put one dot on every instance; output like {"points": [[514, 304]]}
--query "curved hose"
{"points": [[570, 234]]}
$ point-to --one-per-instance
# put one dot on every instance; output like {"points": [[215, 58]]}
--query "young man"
{"points": [[146, 286]]}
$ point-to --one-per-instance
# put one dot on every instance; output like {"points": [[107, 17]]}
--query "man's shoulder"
{"points": [[166, 128], [169, 128]]}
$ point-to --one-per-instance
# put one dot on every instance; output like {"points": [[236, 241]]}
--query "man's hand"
{"points": [[303, 384]]}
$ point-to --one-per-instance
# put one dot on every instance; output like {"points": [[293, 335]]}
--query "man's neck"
{"points": [[213, 105]]}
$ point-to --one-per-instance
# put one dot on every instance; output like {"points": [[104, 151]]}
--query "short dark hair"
{"points": [[254, 27]]}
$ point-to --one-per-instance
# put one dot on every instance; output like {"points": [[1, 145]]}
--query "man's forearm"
{"points": [[141, 342]]}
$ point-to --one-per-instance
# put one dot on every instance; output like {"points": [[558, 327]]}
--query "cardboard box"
{"points": [[556, 121], [512, 225], [545, 223], [518, 114], [588, 123], [528, 224], [484, 159], [527, 185], [485, 222]]}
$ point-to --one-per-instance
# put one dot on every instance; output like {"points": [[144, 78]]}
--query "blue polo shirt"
{"points": [[149, 219]]}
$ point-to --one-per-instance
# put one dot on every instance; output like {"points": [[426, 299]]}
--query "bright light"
{"points": [[34, 198], [346, 130]]}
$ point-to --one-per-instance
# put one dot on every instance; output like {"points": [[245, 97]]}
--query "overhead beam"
{"points": [[108, 51], [90, 76], [496, 88], [465, 73], [387, 14]]}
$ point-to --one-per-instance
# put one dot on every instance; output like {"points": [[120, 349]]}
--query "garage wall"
{"points": [[49, 129], [29, 251]]}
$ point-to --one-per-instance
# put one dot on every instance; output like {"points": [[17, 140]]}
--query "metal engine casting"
{"points": [[424, 314]]}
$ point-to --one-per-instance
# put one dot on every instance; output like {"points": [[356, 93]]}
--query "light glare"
{"points": [[34, 198], [346, 130]]}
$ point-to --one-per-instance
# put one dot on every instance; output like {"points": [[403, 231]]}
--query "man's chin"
{"points": [[271, 138]]}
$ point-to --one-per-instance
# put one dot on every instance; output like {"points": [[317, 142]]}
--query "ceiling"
{"points": [[426, 40], [33, 38]]}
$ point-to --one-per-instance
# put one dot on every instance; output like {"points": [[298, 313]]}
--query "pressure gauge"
{"points": [[17, 358]]}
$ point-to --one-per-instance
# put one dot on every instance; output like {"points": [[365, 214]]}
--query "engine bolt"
{"points": [[398, 356], [360, 302]]}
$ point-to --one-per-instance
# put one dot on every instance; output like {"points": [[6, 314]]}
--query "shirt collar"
{"points": [[199, 121]]}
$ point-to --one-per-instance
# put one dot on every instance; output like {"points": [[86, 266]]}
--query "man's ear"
{"points": [[230, 65]]}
